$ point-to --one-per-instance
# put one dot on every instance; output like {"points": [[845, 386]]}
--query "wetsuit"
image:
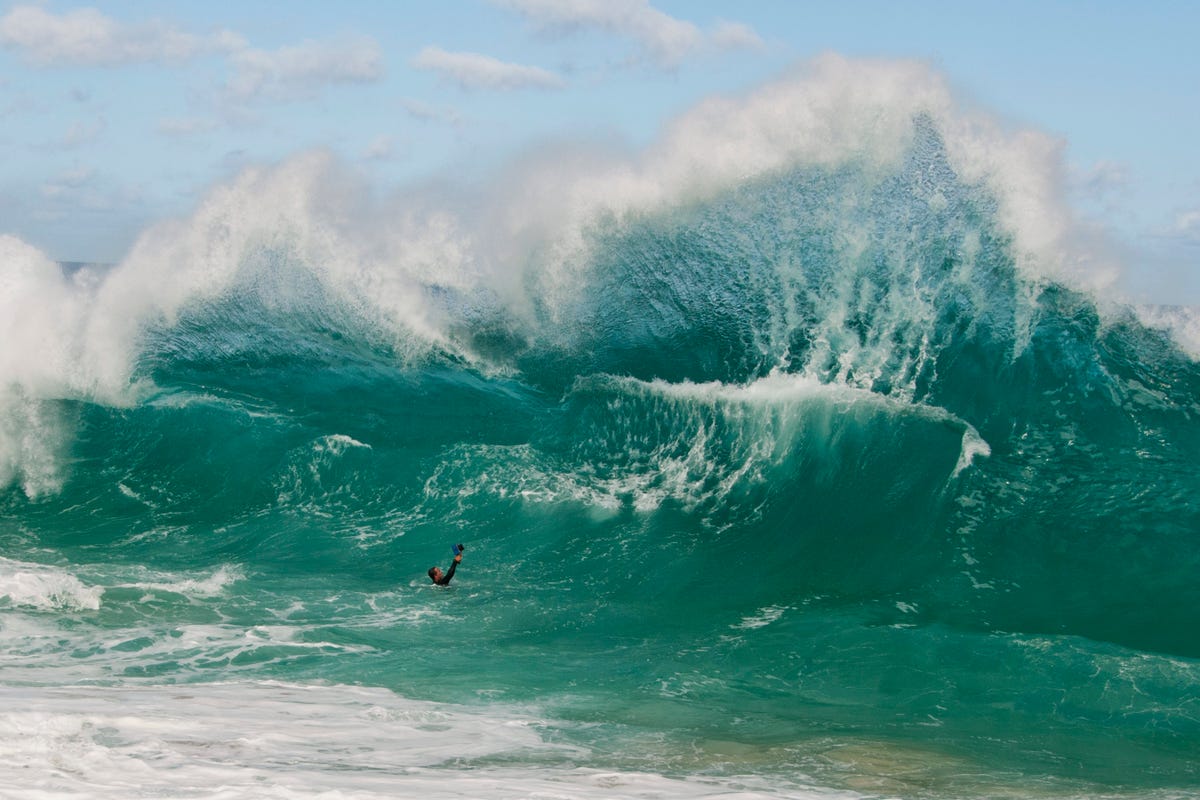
{"points": [[445, 581]]}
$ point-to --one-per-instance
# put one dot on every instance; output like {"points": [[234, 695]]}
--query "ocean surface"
{"points": [[805, 481]]}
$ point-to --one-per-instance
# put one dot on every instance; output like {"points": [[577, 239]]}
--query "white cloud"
{"points": [[475, 71], [78, 191], [303, 70], [427, 113], [665, 39], [86, 37], [736, 36]]}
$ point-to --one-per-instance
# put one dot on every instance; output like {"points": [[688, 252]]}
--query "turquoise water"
{"points": [[804, 487]]}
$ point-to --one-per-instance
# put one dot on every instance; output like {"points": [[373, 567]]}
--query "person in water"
{"points": [[436, 575]]}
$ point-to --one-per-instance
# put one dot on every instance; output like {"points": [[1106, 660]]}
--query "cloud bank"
{"points": [[86, 37], [302, 70], [660, 37], [476, 71]]}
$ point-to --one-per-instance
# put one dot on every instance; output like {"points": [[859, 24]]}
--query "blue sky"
{"points": [[117, 114]]}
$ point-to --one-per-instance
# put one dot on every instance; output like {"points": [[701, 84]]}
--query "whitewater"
{"points": [[805, 453]]}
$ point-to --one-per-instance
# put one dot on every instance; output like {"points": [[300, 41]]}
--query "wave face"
{"points": [[805, 478]]}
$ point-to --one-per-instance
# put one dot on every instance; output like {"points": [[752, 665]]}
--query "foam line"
{"points": [[281, 740]]}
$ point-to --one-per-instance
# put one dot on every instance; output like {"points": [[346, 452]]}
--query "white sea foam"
{"points": [[34, 649], [40, 315], [281, 741], [191, 586], [760, 619], [186, 625], [45, 588], [1182, 322], [973, 446]]}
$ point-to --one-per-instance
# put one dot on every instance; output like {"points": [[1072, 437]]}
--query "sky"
{"points": [[115, 115]]}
